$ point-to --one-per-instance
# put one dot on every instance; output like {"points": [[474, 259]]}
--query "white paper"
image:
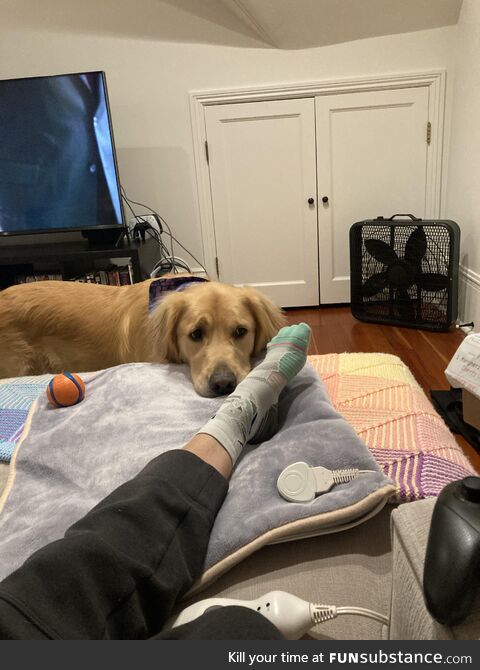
{"points": [[463, 371]]}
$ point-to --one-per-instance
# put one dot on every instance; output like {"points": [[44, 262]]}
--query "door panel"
{"points": [[372, 160], [262, 173]]}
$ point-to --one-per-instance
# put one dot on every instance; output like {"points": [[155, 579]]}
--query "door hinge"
{"points": [[206, 152], [429, 132], [217, 267]]}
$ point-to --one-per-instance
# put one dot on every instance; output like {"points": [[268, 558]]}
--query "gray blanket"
{"points": [[69, 458]]}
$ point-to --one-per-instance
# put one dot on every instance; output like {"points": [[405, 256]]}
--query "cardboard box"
{"points": [[471, 409]]}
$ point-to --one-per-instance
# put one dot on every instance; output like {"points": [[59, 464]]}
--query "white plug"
{"points": [[300, 482], [291, 615]]}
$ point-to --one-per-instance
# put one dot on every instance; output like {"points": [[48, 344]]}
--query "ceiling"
{"points": [[299, 24], [281, 24]]}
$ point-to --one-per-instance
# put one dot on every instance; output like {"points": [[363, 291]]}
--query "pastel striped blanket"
{"points": [[378, 395], [16, 398]]}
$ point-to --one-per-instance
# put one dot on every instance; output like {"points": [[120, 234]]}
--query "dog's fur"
{"points": [[54, 326]]}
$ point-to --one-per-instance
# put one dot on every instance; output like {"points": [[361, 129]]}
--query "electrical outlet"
{"points": [[144, 217]]}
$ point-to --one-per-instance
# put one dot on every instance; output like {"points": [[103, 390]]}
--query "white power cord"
{"points": [[323, 613], [291, 615]]}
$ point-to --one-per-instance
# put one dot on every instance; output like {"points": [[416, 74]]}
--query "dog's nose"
{"points": [[222, 381]]}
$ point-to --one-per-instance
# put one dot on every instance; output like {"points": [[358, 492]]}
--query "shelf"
{"points": [[73, 258]]}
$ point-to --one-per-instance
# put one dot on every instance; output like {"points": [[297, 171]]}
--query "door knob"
{"points": [[310, 201], [325, 199]]}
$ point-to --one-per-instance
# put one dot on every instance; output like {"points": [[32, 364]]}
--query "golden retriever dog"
{"points": [[55, 326]]}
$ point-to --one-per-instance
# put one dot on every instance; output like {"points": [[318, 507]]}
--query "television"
{"points": [[58, 167]]}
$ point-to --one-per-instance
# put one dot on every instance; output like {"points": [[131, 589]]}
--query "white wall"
{"points": [[149, 82], [462, 199]]}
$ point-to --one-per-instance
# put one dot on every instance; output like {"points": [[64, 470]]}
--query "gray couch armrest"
{"points": [[409, 618], [4, 470]]}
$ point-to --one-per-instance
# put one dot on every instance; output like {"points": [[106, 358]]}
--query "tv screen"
{"points": [[58, 166]]}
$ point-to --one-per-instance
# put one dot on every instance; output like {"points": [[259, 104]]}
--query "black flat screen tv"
{"points": [[58, 168]]}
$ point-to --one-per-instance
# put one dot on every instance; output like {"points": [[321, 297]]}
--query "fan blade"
{"points": [[404, 305], [416, 246], [381, 252], [432, 281], [374, 284]]}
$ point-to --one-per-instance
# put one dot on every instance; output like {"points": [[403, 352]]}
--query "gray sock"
{"points": [[250, 413]]}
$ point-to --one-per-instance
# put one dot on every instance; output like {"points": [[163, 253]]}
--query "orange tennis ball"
{"points": [[65, 390]]}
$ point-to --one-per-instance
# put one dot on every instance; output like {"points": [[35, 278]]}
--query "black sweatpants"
{"points": [[118, 572]]}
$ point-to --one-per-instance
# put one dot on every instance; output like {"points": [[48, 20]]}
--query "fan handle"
{"points": [[414, 218]]}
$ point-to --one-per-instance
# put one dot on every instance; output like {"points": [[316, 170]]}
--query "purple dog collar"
{"points": [[162, 286]]}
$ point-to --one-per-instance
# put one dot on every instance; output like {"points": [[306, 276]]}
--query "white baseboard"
{"points": [[199, 272], [469, 297]]}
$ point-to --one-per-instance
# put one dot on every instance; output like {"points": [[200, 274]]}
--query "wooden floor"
{"points": [[335, 330]]}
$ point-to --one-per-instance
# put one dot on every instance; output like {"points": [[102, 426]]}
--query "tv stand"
{"points": [[72, 259], [105, 236]]}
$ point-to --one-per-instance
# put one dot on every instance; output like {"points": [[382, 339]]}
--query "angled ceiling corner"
{"points": [[248, 17]]}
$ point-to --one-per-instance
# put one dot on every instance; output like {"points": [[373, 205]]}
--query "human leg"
{"points": [[117, 572]]}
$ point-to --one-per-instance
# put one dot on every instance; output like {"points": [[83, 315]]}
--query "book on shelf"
{"points": [[114, 276], [38, 276]]}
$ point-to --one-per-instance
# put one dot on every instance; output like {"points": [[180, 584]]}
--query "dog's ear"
{"points": [[164, 322], [268, 318]]}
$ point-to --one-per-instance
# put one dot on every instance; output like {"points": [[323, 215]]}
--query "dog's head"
{"points": [[217, 329]]}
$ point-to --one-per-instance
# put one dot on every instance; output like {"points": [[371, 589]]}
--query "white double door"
{"points": [[289, 177]]}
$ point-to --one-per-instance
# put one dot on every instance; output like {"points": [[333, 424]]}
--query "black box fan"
{"points": [[404, 272]]}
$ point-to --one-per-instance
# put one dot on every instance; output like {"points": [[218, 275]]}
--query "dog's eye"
{"points": [[239, 332], [196, 335]]}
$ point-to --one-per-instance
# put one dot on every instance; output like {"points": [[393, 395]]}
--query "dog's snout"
{"points": [[222, 381]]}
